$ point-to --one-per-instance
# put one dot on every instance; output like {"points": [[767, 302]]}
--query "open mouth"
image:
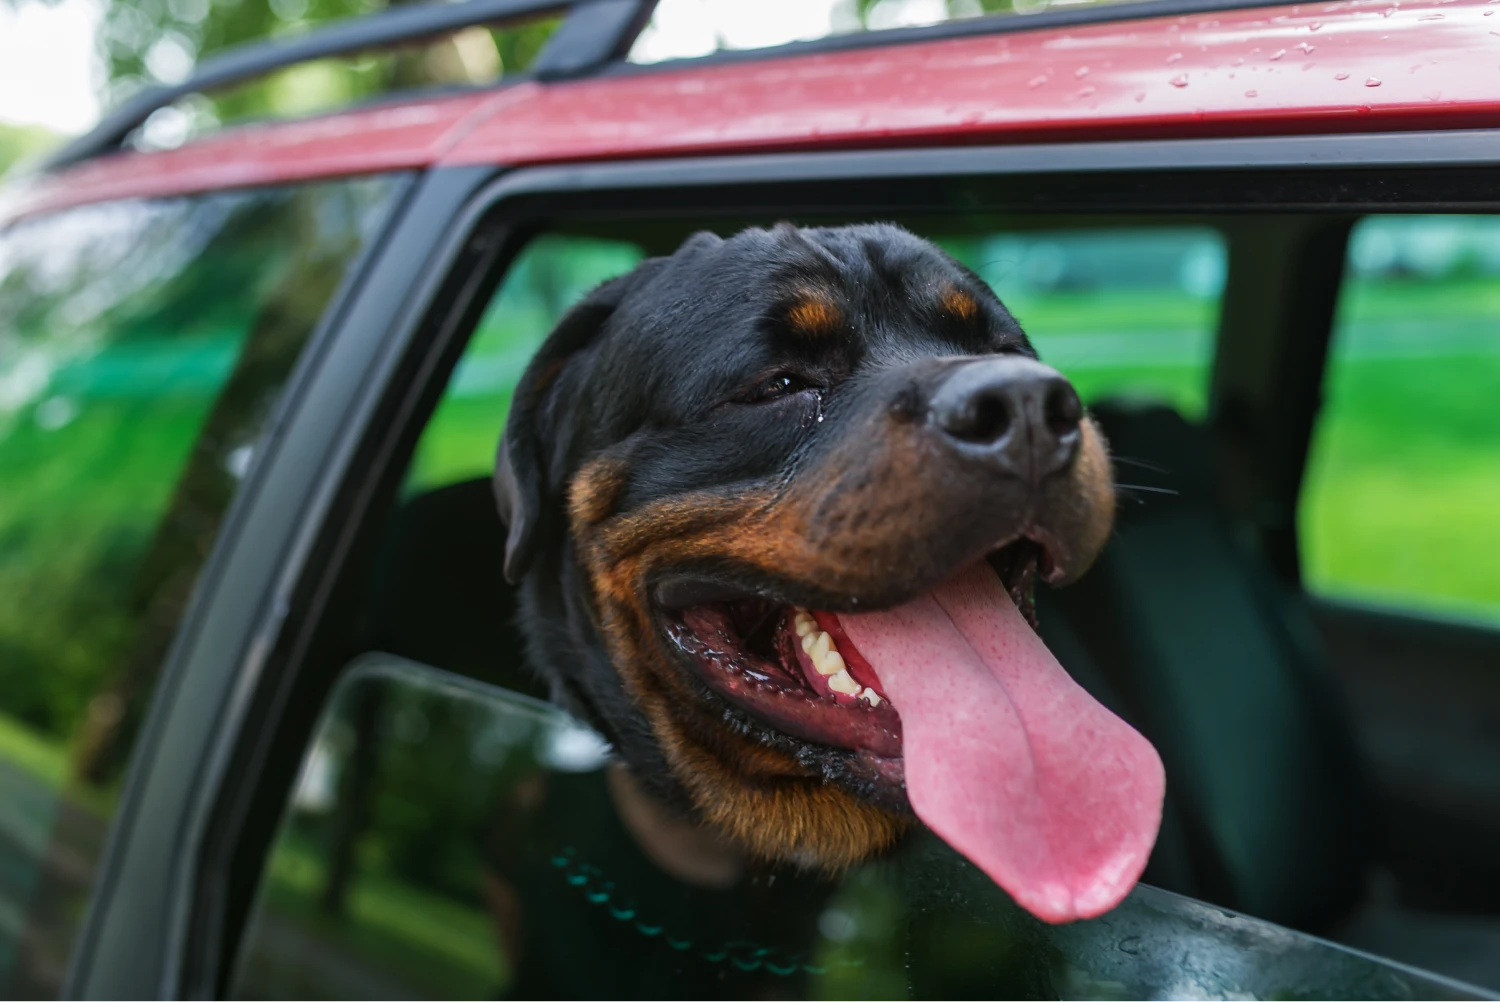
{"points": [[797, 669], [953, 706]]}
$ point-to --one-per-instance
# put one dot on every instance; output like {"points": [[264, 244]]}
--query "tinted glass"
{"points": [[142, 348], [1402, 499], [446, 839]]}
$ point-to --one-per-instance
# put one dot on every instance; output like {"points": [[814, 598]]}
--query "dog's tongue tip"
{"points": [[1006, 757]]}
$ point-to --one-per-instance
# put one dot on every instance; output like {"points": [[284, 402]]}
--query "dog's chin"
{"points": [[764, 675]]}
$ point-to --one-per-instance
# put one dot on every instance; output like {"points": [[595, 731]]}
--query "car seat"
{"points": [[1181, 629]]}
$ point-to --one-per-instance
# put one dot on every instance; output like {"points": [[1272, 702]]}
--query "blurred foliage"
{"points": [[143, 43], [21, 142]]}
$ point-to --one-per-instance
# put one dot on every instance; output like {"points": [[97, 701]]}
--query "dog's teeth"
{"points": [[870, 696], [805, 624], [829, 664], [808, 640], [843, 682], [822, 644]]}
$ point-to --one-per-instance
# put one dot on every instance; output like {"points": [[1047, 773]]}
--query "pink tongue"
{"points": [[1006, 758]]}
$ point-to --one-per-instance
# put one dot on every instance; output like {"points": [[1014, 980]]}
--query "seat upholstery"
{"points": [[1184, 631]]}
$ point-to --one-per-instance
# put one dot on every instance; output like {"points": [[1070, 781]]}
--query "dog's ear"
{"points": [[520, 467]]}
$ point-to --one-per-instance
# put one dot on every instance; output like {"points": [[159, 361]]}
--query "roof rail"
{"points": [[594, 33]]}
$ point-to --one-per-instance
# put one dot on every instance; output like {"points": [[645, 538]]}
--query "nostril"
{"points": [[984, 417], [1062, 409]]}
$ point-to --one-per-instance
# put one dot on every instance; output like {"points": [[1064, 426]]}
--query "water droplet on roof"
{"points": [[1036, 82], [1372, 82], [1174, 57], [1305, 49], [1315, 26], [1140, 97], [1252, 93], [1081, 72], [1341, 76], [1085, 91], [1277, 54], [1180, 80], [1430, 17]]}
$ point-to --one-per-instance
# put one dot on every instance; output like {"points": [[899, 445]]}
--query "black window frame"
{"points": [[202, 807]]}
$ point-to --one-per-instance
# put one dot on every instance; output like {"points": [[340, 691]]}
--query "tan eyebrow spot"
{"points": [[959, 303], [816, 315]]}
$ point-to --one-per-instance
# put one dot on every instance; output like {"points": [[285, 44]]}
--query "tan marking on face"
{"points": [[816, 314], [958, 303], [595, 489]]}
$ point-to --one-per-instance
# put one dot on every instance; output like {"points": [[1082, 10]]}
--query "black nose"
{"points": [[1014, 411]]}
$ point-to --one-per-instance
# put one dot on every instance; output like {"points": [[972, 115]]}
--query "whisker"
{"points": [[1143, 487], [1128, 461]]}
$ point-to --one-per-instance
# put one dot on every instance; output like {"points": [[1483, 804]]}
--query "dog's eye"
{"points": [[780, 385]]}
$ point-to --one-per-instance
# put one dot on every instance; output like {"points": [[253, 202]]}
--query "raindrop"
{"points": [[1081, 72], [1252, 93], [1315, 26], [1372, 82], [1305, 49], [1085, 92], [1180, 80], [1174, 57], [1277, 54], [1341, 76], [1036, 82], [1430, 17], [1140, 97]]}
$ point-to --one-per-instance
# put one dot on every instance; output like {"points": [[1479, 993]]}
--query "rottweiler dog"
{"points": [[776, 507]]}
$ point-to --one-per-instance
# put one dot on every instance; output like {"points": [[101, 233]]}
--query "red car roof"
{"points": [[1355, 65]]}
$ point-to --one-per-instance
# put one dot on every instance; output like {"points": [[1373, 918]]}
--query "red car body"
{"points": [[1352, 66]]}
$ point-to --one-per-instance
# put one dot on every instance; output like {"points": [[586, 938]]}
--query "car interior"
{"points": [[1332, 762]]}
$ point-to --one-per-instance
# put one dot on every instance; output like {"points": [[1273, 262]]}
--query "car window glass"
{"points": [[142, 347], [1403, 481], [446, 839], [551, 274]]}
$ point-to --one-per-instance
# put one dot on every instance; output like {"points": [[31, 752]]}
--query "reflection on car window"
{"points": [[447, 839], [1403, 482], [550, 275], [142, 346]]}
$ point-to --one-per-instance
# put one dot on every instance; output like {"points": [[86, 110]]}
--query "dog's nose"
{"points": [[1014, 411]]}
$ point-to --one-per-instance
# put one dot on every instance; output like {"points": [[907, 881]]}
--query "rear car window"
{"points": [[1403, 479], [143, 346]]}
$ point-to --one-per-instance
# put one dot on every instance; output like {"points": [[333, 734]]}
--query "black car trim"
{"points": [[262, 604]]}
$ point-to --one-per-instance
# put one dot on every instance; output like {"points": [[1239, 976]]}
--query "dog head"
{"points": [[777, 504]]}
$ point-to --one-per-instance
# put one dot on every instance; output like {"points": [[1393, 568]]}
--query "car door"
{"points": [[359, 759]]}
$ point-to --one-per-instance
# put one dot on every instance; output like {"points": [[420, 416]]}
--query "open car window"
{"points": [[449, 839], [435, 839]]}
